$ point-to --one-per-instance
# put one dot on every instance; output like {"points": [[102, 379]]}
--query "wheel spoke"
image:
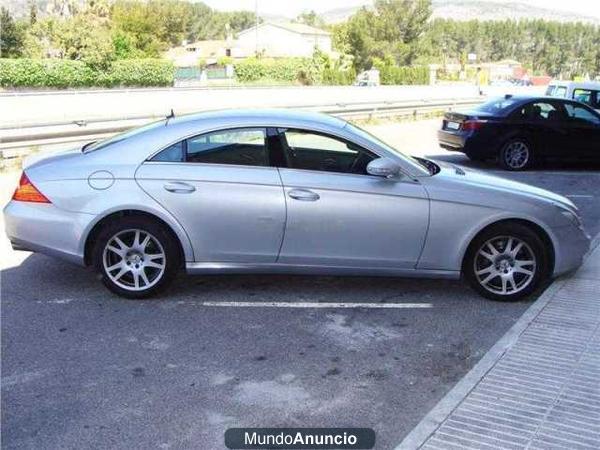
{"points": [[523, 271], [492, 249], [511, 280], [509, 244], [488, 269], [155, 265], [120, 243], [115, 266], [504, 284], [136, 239], [515, 251], [489, 278], [136, 280], [122, 272], [145, 242], [116, 250], [144, 277]]}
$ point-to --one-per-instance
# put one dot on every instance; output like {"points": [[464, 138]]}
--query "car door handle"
{"points": [[179, 187], [304, 195]]}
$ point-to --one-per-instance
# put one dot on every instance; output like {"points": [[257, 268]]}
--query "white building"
{"points": [[279, 40], [275, 40]]}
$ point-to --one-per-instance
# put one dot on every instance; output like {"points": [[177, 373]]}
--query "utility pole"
{"points": [[256, 28]]}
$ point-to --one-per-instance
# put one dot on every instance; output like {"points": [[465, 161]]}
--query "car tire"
{"points": [[506, 262], [136, 256], [517, 155]]}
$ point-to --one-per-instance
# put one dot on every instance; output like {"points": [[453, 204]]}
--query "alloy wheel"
{"points": [[505, 265], [134, 259], [517, 155]]}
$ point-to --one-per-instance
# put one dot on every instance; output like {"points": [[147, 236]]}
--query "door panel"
{"points": [[352, 220], [231, 213]]}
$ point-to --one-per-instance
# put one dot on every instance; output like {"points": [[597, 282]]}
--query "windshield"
{"points": [[496, 105], [365, 134], [93, 146]]}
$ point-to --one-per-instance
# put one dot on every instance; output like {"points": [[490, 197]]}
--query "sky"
{"points": [[291, 8]]}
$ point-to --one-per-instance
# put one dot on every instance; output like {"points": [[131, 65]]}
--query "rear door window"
{"points": [[240, 146], [539, 112]]}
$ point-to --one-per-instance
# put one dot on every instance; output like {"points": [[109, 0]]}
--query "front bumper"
{"points": [[44, 228], [571, 245]]}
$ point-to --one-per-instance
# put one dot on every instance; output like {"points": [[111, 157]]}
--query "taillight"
{"points": [[472, 125], [27, 192]]}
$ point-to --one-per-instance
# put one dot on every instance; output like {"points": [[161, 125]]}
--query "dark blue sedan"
{"points": [[520, 131]]}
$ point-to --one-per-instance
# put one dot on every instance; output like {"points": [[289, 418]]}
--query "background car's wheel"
{"points": [[506, 262], [517, 154], [136, 257]]}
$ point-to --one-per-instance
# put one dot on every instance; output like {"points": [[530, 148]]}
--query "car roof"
{"points": [[257, 116], [577, 84]]}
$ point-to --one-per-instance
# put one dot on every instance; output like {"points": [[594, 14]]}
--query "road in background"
{"points": [[83, 368], [44, 107]]}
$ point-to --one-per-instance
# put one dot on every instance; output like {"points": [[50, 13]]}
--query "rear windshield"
{"points": [[121, 136], [497, 105]]}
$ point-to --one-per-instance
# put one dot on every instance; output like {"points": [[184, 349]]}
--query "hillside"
{"points": [[478, 9]]}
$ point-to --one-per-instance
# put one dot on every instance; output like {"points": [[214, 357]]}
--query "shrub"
{"points": [[44, 73], [303, 70], [138, 72], [337, 77], [285, 69], [62, 73], [404, 75]]}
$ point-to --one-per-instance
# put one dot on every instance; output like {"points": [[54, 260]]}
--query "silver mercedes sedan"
{"points": [[279, 191]]}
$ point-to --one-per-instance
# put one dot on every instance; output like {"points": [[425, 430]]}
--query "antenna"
{"points": [[171, 114]]}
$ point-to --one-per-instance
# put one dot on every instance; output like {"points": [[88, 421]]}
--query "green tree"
{"points": [[11, 36], [311, 18], [391, 30]]}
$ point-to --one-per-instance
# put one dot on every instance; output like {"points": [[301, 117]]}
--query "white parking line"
{"points": [[316, 305]]}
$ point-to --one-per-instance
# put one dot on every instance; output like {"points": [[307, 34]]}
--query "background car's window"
{"points": [[583, 96], [561, 91], [580, 113], [538, 111], [496, 105], [240, 146], [313, 151], [174, 153]]}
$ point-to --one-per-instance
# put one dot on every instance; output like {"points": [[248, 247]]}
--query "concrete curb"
{"points": [[431, 422]]}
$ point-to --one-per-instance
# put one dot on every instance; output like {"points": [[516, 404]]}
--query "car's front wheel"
{"points": [[517, 154], [136, 256], [506, 262]]}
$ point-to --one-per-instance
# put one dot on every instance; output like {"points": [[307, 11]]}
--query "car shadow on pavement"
{"points": [[44, 279]]}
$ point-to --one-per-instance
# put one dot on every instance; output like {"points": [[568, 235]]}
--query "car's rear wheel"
{"points": [[136, 257], [506, 262], [516, 154]]}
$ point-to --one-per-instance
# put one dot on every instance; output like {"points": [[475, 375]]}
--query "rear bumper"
{"points": [[451, 141], [44, 228]]}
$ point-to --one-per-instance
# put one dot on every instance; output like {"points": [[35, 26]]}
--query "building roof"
{"points": [[293, 27]]}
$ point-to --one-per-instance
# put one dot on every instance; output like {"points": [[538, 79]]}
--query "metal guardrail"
{"points": [[17, 141]]}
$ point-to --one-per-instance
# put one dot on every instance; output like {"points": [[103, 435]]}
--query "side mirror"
{"points": [[383, 167]]}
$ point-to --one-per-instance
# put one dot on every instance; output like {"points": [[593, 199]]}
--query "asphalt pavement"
{"points": [[82, 368]]}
